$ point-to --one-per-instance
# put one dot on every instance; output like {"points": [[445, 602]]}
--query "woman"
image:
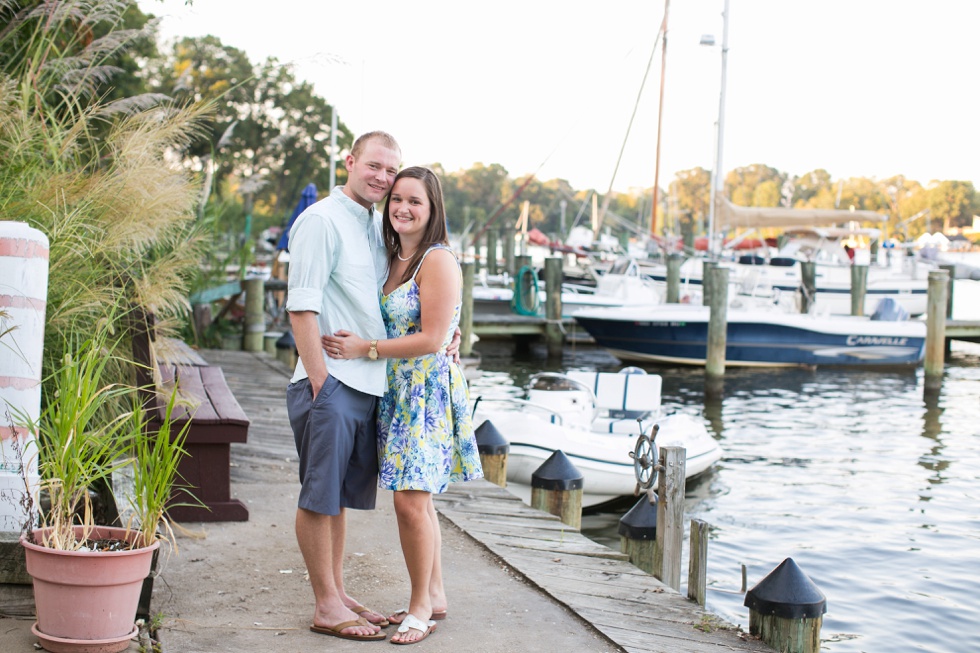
{"points": [[425, 433]]}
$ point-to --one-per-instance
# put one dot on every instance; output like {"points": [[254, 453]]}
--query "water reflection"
{"points": [[868, 484]]}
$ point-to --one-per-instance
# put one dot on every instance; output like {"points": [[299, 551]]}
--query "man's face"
{"points": [[372, 173]]}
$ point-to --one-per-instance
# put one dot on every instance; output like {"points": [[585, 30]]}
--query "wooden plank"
{"points": [[173, 351], [227, 408], [191, 386]]}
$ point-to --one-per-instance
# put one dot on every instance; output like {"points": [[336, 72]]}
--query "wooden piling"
{"points": [[935, 330], [859, 288], [951, 269], [556, 488], [697, 569], [706, 281], [714, 364], [521, 261], [254, 314], [493, 448], [786, 610], [670, 516], [286, 350], [269, 341], [808, 287], [507, 235], [492, 236], [638, 532], [674, 262], [466, 312], [552, 282]]}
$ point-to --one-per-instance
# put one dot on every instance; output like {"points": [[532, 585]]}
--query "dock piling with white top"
{"points": [[935, 330], [859, 288]]}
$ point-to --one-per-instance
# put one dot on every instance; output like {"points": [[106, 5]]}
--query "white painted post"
{"points": [[23, 299]]}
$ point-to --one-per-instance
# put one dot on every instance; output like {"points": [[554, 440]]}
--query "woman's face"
{"points": [[409, 208]]}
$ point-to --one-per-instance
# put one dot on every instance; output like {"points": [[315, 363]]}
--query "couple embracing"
{"points": [[378, 398]]}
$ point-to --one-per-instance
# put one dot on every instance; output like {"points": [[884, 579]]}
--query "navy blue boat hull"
{"points": [[751, 344]]}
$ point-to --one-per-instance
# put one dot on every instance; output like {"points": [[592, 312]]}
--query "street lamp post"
{"points": [[717, 178]]}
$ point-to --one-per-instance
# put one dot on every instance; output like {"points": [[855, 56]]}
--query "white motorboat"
{"points": [[902, 278], [622, 285], [595, 419]]}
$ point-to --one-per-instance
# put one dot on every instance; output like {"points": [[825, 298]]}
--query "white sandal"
{"points": [[411, 622]]}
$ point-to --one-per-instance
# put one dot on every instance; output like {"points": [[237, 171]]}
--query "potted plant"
{"points": [[88, 577]]}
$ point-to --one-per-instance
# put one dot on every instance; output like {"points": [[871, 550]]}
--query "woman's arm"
{"points": [[439, 287]]}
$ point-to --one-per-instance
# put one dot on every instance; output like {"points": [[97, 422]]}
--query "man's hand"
{"points": [[453, 349]]}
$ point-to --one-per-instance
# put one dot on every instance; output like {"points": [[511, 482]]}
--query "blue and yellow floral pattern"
{"points": [[425, 431]]}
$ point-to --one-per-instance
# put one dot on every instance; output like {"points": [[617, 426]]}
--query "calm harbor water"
{"points": [[873, 490]]}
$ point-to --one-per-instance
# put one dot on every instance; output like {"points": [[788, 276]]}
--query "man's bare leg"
{"points": [[315, 534], [339, 546]]}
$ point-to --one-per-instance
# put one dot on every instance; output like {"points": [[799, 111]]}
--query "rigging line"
{"points": [[660, 119], [496, 212], [636, 106]]}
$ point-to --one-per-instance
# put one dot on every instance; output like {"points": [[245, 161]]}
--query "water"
{"points": [[871, 489]]}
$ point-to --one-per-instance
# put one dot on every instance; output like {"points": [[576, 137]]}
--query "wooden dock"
{"points": [[968, 330], [629, 606]]}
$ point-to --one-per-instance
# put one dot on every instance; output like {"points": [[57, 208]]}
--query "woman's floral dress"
{"points": [[425, 431]]}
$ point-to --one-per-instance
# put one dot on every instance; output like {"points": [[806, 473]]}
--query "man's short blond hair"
{"points": [[386, 139]]}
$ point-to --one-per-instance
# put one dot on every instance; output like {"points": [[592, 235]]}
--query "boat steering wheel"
{"points": [[646, 460]]}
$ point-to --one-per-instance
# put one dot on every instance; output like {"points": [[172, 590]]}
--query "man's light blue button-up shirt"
{"points": [[337, 263]]}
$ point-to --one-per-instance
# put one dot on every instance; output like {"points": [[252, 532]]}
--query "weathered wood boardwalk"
{"points": [[627, 605]]}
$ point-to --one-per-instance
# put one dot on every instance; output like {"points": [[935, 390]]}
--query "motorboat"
{"points": [[595, 419], [759, 335], [811, 235], [623, 284]]}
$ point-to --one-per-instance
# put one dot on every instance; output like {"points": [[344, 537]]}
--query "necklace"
{"points": [[404, 260]]}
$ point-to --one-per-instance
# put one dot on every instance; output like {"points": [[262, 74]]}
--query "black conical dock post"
{"points": [[638, 533], [556, 488], [493, 448], [786, 610]]}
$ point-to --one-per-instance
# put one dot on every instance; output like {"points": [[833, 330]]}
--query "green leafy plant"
{"points": [[156, 458], [78, 442], [88, 431]]}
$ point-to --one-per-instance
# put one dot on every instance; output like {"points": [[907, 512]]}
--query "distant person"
{"points": [[425, 430], [337, 263]]}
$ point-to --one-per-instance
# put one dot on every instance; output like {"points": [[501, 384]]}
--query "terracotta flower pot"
{"points": [[86, 601]]}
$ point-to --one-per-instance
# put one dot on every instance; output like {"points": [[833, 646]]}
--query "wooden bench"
{"points": [[216, 421]]}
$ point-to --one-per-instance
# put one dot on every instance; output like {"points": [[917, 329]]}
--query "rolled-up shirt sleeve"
{"points": [[311, 259]]}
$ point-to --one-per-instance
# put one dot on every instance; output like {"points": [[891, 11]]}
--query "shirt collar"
{"points": [[363, 215]]}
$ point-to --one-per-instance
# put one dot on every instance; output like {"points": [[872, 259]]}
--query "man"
{"points": [[337, 261]]}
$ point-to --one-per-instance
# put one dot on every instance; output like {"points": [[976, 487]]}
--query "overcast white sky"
{"points": [[868, 88]]}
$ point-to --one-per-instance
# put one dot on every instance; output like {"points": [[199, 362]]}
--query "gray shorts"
{"points": [[337, 442]]}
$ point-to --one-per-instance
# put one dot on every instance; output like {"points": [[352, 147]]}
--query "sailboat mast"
{"points": [[660, 117]]}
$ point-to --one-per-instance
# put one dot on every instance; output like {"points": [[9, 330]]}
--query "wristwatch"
{"points": [[373, 351]]}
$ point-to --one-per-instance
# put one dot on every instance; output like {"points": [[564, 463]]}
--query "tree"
{"points": [[741, 185], [268, 126], [952, 204], [690, 196]]}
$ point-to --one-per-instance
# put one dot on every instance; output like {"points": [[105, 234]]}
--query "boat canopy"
{"points": [[730, 216]]}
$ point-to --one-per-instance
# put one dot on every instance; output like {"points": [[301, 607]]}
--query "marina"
{"points": [[865, 480]]}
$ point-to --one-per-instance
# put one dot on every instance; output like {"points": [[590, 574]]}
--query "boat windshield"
{"points": [[552, 381]]}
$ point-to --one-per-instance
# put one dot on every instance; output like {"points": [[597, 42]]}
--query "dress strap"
{"points": [[419, 266]]}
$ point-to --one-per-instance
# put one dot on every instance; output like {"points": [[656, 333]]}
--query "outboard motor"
{"points": [[889, 310]]}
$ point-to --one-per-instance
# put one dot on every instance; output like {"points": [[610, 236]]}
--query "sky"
{"points": [[861, 88]]}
